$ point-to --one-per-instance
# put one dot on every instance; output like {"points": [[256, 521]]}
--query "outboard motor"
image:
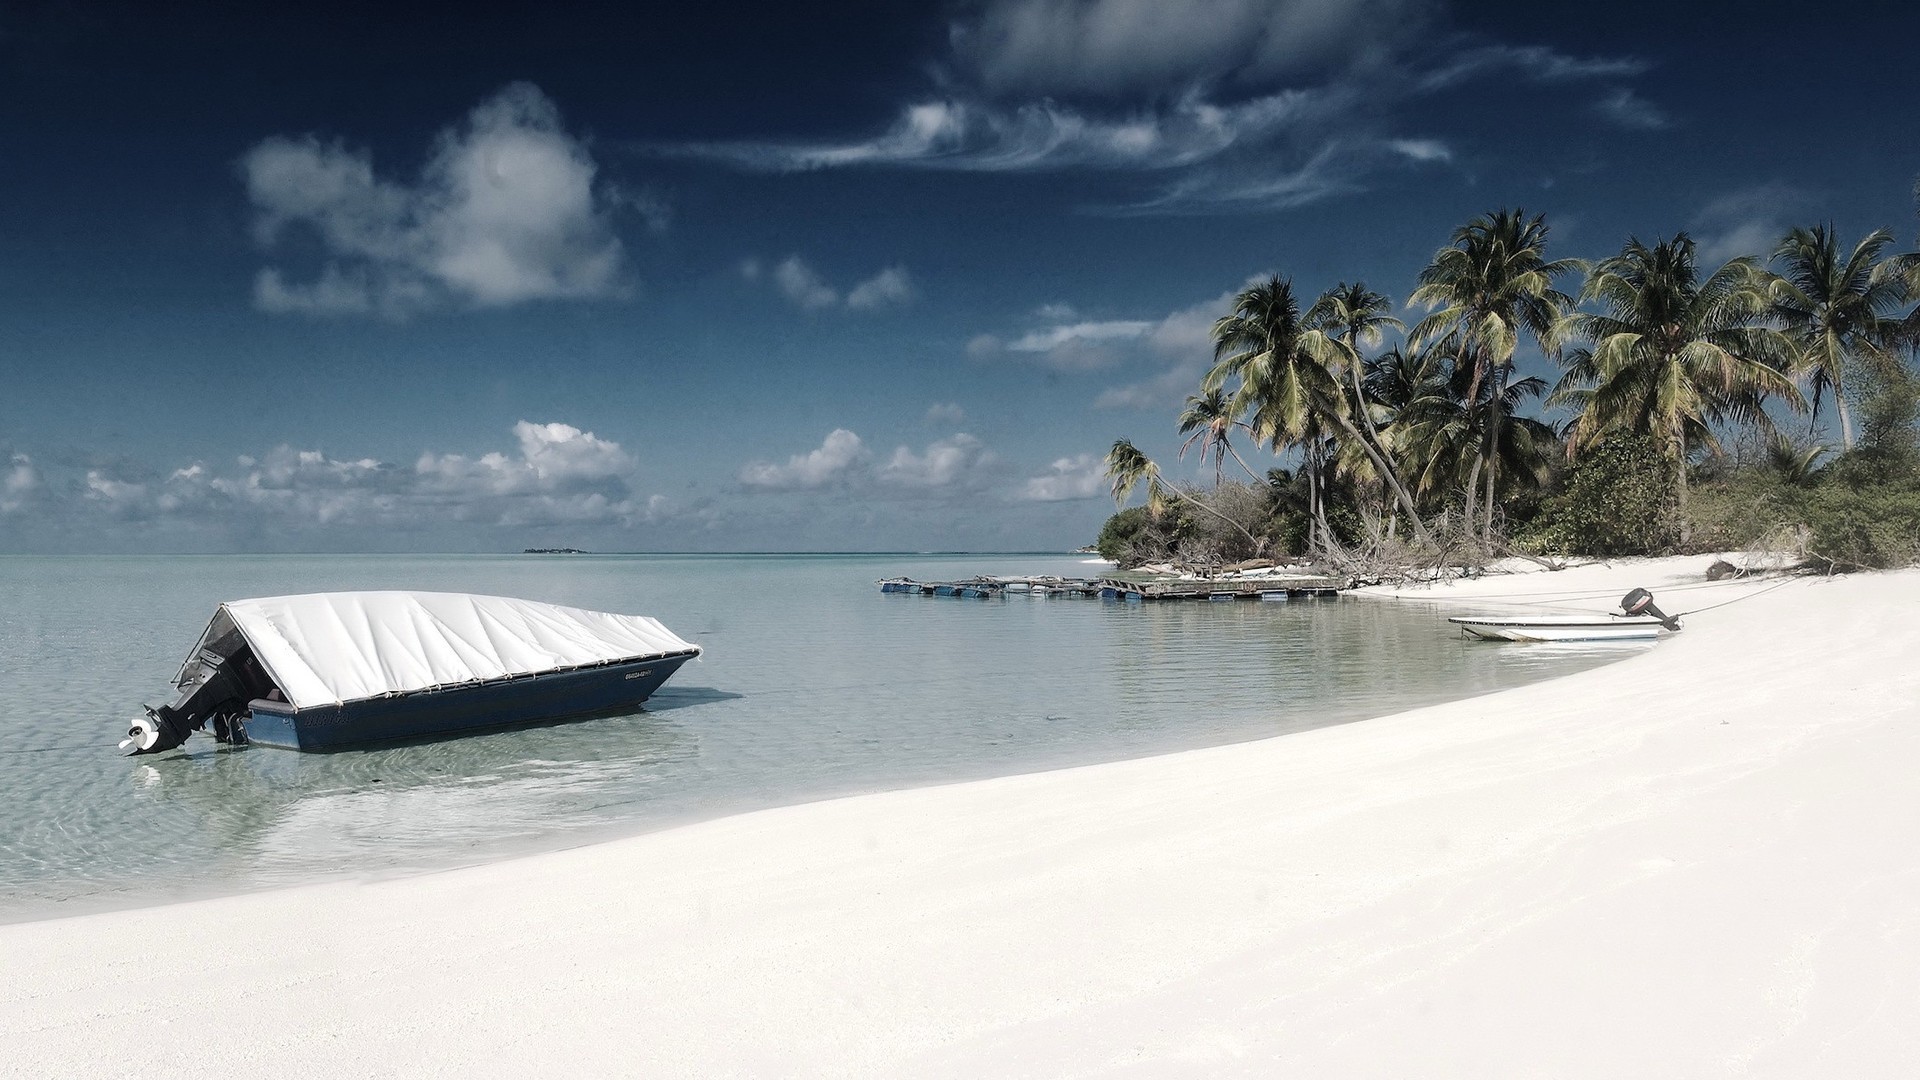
{"points": [[1640, 602], [217, 692]]}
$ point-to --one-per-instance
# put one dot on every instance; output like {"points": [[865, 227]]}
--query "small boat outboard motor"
{"points": [[1640, 602], [216, 690]]}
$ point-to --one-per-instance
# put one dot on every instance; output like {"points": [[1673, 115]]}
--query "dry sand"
{"points": [[1699, 862]]}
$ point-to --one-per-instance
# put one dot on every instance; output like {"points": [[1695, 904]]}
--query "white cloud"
{"points": [[985, 346], [563, 454], [1627, 109], [336, 292], [943, 463], [798, 283], [842, 459], [1169, 387], [1421, 149], [805, 288], [946, 412], [559, 474], [22, 480], [1076, 346], [1052, 337], [1082, 476], [1182, 338], [889, 286], [554, 459], [838, 454], [505, 211]]}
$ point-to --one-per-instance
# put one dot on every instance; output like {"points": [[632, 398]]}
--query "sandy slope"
{"points": [[1699, 862]]}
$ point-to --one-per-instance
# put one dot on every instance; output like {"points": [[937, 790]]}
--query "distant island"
{"points": [[552, 551]]}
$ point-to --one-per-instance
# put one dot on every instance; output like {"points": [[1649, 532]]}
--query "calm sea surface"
{"points": [[814, 685]]}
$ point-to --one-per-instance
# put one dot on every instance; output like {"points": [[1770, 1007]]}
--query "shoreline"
{"points": [[1661, 866]]}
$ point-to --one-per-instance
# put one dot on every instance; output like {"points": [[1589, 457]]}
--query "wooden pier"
{"points": [[1128, 588]]}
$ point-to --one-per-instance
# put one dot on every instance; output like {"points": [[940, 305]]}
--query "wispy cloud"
{"points": [[1626, 109], [1750, 221], [506, 210], [1108, 47], [1462, 63], [1222, 105], [1178, 344], [976, 136]]}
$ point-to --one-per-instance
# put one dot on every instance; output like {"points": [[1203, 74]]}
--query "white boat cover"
{"points": [[325, 648]]}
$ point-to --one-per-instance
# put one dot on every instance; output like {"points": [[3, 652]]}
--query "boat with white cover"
{"points": [[324, 670]]}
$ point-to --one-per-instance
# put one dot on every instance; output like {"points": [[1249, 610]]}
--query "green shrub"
{"points": [[1618, 500], [1862, 511], [1872, 526], [1121, 532]]}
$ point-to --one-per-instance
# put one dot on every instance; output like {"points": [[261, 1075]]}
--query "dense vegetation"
{"points": [[1683, 417]]}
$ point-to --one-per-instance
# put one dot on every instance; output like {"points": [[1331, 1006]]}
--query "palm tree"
{"points": [[1490, 283], [1284, 375], [1671, 355], [1442, 428], [1357, 316], [1791, 461], [1208, 419], [1128, 467], [1395, 379], [1841, 311]]}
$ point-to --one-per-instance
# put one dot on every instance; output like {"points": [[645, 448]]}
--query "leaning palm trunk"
{"points": [[1473, 395], [1473, 492], [1320, 500], [1251, 475], [1846, 420], [1680, 489], [1400, 493], [1492, 448], [1376, 450]]}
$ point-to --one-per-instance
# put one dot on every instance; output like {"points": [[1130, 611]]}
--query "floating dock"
{"points": [[983, 588], [1129, 588]]}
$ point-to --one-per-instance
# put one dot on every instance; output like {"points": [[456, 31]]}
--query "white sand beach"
{"points": [[1699, 862]]}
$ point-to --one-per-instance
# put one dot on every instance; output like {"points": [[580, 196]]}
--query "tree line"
{"points": [[1426, 440]]}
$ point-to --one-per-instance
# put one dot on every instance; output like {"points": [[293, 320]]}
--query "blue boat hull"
{"points": [[554, 696]]}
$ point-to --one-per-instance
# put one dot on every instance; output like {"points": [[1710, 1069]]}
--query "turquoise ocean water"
{"points": [[814, 685]]}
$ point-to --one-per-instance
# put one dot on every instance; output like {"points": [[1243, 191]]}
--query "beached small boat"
{"points": [[1639, 619], [1558, 627], [323, 670]]}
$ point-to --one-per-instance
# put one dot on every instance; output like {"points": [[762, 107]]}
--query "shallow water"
{"points": [[814, 685]]}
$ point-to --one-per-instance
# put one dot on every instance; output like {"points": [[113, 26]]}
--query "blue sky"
{"points": [[864, 276]]}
